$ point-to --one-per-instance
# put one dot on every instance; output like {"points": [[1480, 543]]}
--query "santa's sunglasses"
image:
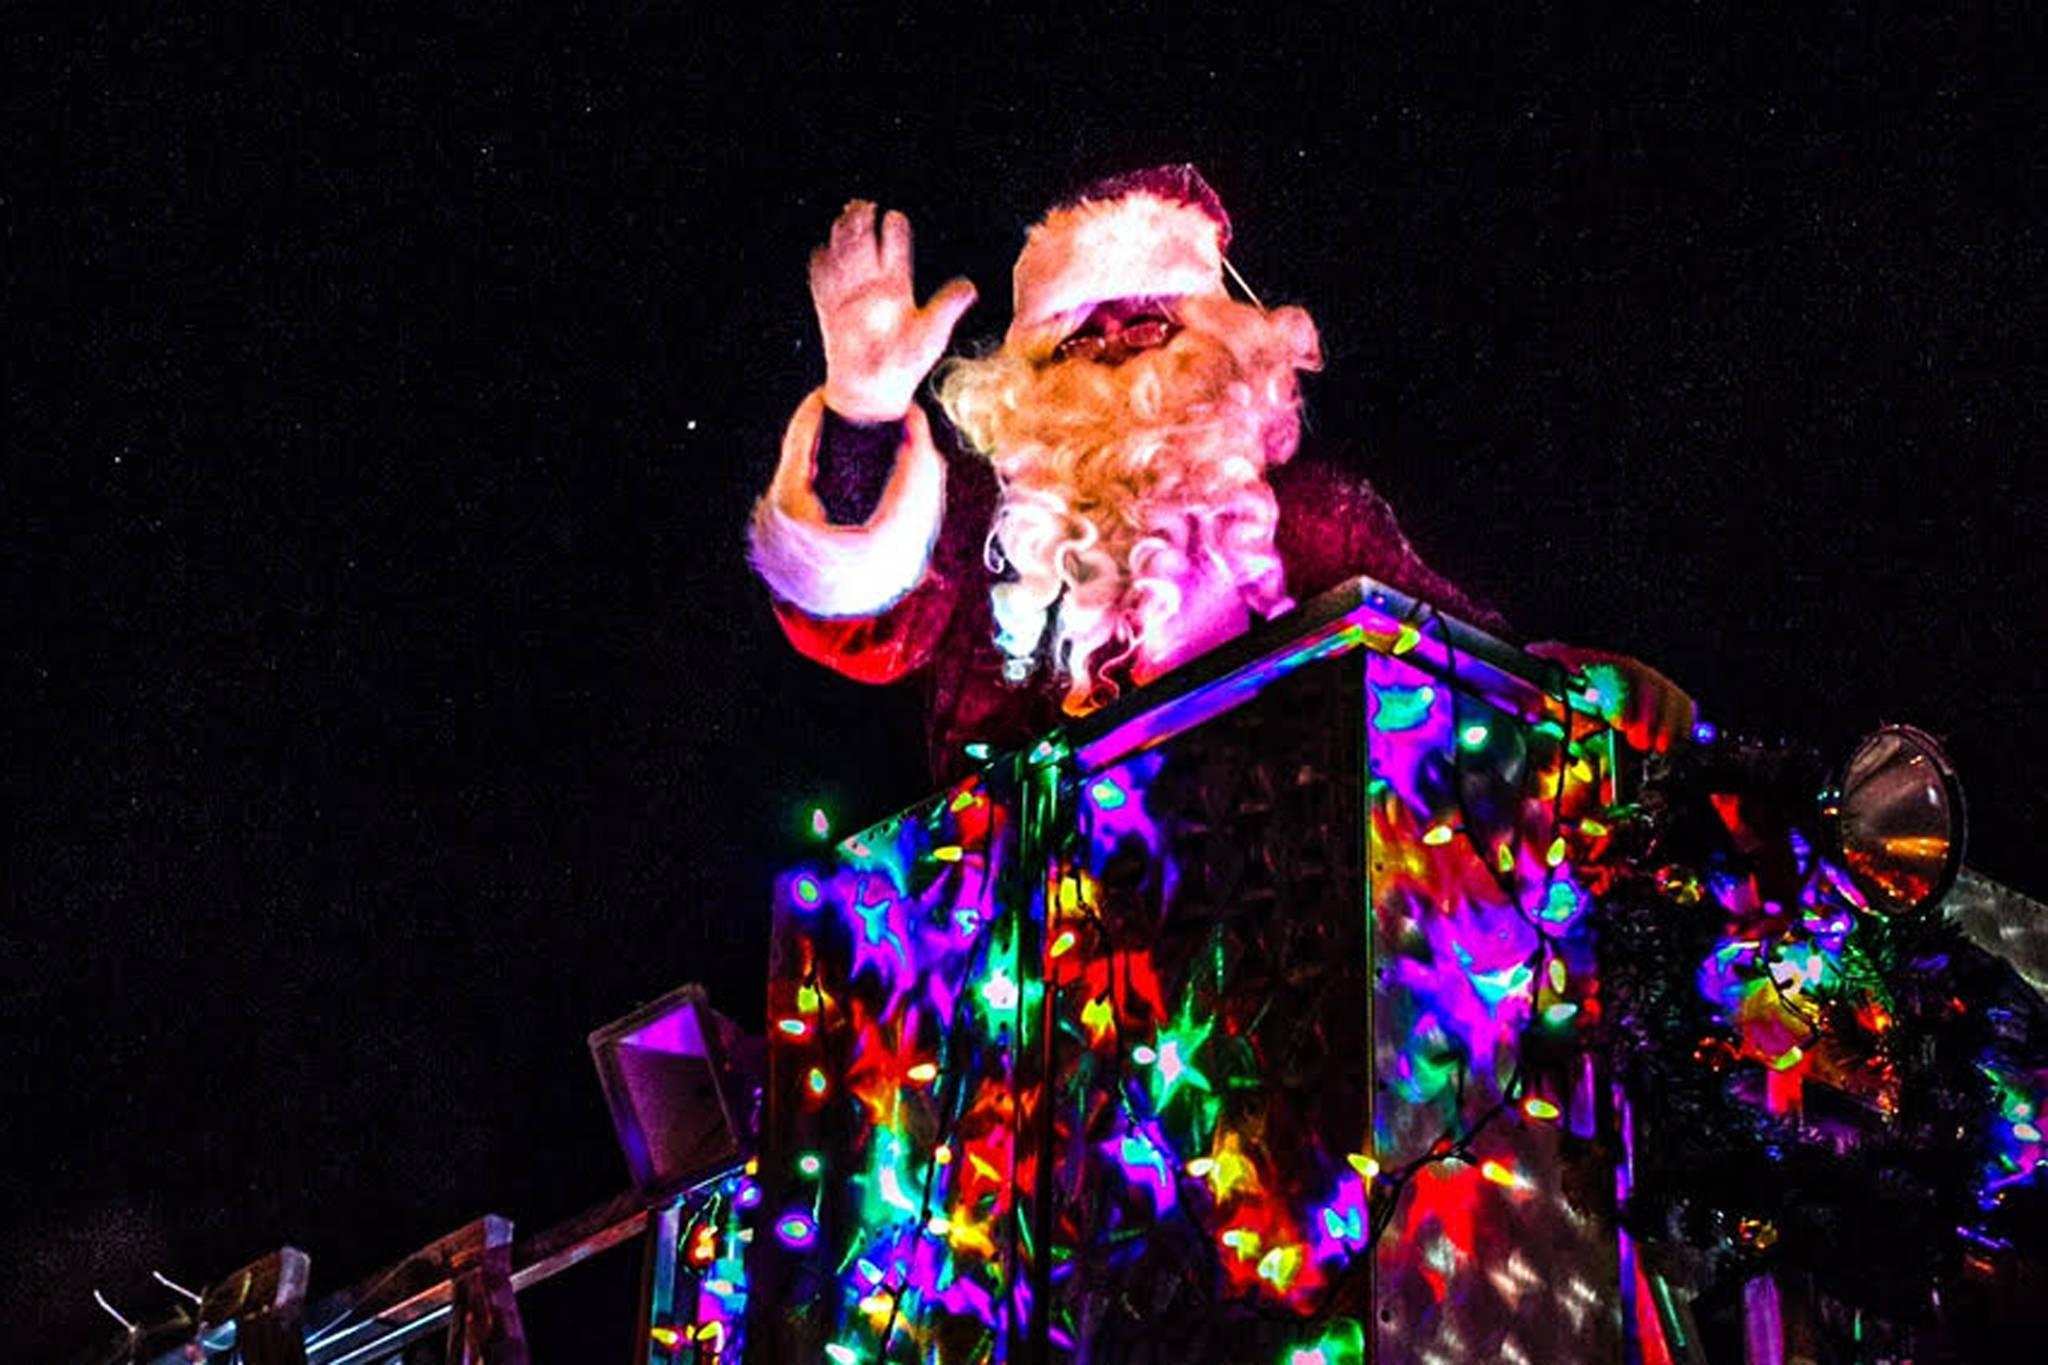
{"points": [[1110, 335], [1107, 338]]}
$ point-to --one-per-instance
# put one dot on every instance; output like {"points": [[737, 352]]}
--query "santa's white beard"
{"points": [[1136, 523]]}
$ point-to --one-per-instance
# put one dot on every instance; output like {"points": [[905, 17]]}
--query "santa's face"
{"points": [[1135, 523], [1117, 329], [1151, 381]]}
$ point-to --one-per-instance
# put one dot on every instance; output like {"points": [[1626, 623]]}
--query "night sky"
{"points": [[389, 704]]}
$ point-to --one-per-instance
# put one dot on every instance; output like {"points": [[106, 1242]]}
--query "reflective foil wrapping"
{"points": [[1244, 1033], [890, 1168], [1485, 986]]}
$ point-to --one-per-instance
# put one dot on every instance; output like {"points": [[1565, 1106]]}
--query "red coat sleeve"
{"points": [[875, 649]]}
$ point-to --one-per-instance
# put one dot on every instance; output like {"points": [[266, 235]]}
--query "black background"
{"points": [[386, 388]]}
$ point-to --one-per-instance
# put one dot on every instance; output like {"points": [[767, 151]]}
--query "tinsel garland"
{"points": [[1871, 1182]]}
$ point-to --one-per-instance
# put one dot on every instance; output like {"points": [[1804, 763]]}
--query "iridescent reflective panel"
{"points": [[1211, 1088], [889, 1170], [1277, 986], [711, 1273], [1500, 1245]]}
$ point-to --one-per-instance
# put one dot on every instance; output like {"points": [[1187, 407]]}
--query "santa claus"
{"points": [[1125, 493]]}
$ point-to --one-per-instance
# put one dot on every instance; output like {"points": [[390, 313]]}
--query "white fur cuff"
{"points": [[839, 571]]}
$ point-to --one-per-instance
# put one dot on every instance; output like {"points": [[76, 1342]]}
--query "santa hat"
{"points": [[1157, 233]]}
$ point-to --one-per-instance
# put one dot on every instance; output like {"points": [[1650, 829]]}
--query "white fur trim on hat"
{"points": [[829, 570], [1137, 245]]}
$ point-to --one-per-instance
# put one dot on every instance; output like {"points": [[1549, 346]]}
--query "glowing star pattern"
{"points": [[1097, 1031]]}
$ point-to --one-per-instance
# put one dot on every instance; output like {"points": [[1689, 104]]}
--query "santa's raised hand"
{"points": [[879, 345]]}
